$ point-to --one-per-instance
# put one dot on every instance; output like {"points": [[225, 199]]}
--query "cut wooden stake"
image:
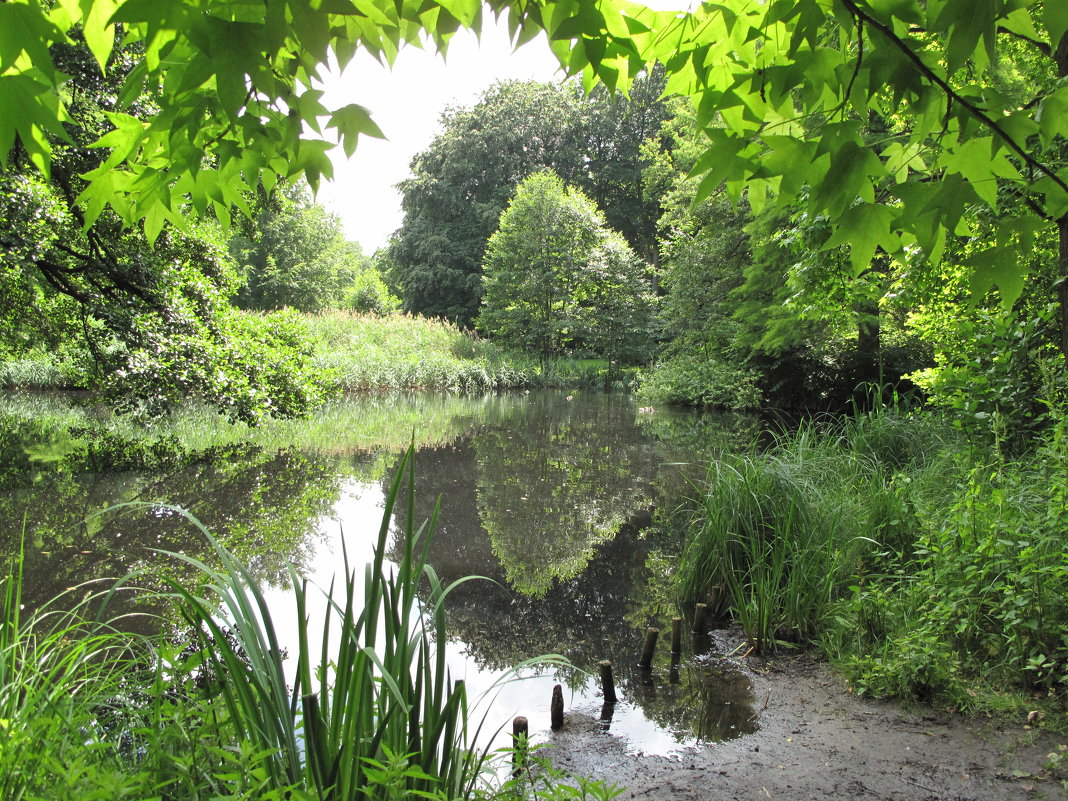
{"points": [[700, 618], [519, 744], [608, 684], [649, 648], [556, 708]]}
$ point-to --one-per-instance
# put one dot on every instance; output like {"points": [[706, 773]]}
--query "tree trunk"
{"points": [[1062, 281], [1060, 56], [869, 356]]}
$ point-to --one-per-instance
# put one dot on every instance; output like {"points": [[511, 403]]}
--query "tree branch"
{"points": [[953, 96], [1043, 48]]}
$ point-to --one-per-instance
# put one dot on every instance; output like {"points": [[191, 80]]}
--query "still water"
{"points": [[552, 498]]}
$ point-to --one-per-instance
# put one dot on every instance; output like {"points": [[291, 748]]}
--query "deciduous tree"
{"points": [[557, 279]]}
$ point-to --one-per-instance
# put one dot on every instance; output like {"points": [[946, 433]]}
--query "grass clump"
{"points": [[372, 713]]}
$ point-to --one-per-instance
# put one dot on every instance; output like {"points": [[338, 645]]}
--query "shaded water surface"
{"points": [[550, 497]]}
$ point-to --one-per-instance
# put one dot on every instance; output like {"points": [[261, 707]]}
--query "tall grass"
{"points": [[401, 352], [785, 531], [40, 371], [780, 556], [57, 669]]}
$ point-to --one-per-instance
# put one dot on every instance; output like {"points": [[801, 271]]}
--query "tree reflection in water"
{"points": [[552, 502]]}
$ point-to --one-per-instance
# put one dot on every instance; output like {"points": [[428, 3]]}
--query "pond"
{"points": [[550, 497]]}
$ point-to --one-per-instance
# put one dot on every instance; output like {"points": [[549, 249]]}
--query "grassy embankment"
{"points": [[361, 352], [923, 564]]}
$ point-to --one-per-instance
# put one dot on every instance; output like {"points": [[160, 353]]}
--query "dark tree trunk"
{"points": [[1060, 56], [1062, 281]]}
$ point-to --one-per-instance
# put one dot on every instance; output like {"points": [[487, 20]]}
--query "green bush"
{"points": [[691, 380], [917, 562]]}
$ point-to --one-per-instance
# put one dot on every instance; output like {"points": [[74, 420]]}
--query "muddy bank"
{"points": [[816, 741]]}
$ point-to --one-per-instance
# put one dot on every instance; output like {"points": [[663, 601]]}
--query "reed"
{"points": [[789, 528], [372, 700], [57, 668]]}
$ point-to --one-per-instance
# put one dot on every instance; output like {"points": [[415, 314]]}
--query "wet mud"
{"points": [[812, 739]]}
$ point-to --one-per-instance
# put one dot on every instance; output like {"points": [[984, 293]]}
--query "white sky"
{"points": [[407, 102]]}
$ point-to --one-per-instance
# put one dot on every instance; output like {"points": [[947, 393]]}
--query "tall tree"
{"points": [[557, 279], [295, 255], [462, 182]]}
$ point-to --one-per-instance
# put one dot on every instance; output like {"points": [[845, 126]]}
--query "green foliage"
{"points": [[368, 294], [786, 531], [791, 84], [759, 307], [984, 593], [921, 565], [557, 280], [246, 365], [777, 552], [694, 379], [995, 372], [294, 255], [897, 130], [462, 183], [147, 322]]}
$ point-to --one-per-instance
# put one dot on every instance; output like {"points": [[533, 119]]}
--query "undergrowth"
{"points": [[924, 564]]}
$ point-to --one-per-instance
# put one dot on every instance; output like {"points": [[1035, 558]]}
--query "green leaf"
{"points": [[31, 110], [99, 31], [1052, 116], [999, 268], [864, 228], [849, 178], [720, 162], [968, 23], [25, 28], [904, 10], [463, 10], [351, 121], [981, 162], [1055, 20]]}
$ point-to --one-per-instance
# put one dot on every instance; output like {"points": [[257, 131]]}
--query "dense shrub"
{"points": [[689, 379]]}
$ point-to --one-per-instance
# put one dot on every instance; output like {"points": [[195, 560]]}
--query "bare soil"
{"points": [[817, 741]]}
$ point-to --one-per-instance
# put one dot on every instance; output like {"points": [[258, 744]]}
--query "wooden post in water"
{"points": [[608, 684], [519, 745], [556, 708], [715, 598], [649, 648], [676, 635], [700, 618]]}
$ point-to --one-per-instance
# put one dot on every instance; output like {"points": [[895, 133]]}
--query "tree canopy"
{"points": [[970, 97], [462, 182]]}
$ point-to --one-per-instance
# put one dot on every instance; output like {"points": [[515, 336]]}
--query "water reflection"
{"points": [[548, 496], [551, 502], [266, 507]]}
